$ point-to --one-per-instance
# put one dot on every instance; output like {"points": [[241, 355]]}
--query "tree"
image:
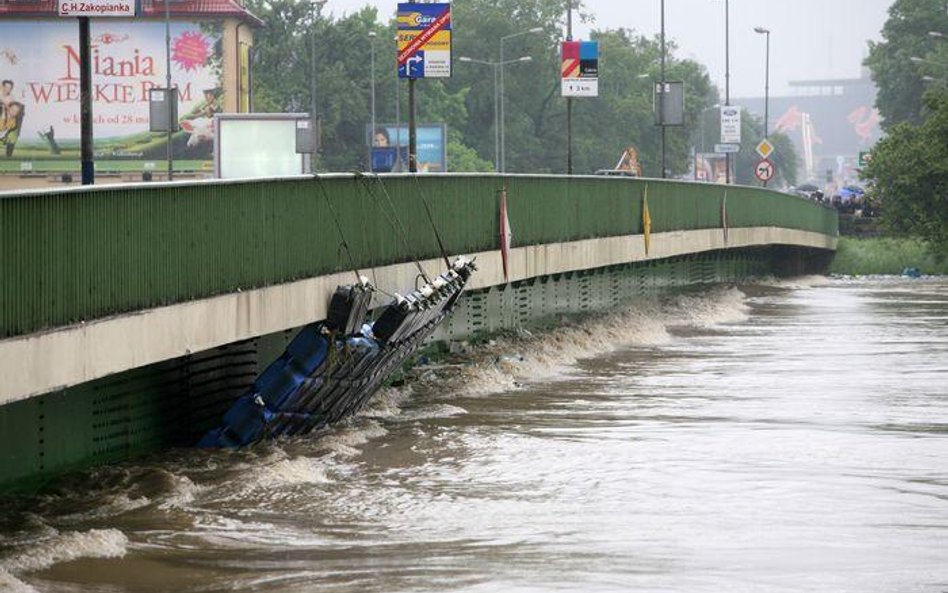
{"points": [[908, 174], [905, 35]]}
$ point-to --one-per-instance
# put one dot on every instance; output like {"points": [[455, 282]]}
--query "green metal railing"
{"points": [[79, 254]]}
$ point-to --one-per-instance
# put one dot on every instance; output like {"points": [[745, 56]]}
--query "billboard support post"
{"points": [[171, 123], [412, 129], [85, 99], [569, 100]]}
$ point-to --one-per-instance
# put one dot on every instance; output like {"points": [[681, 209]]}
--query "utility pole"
{"points": [[569, 100], [85, 102]]}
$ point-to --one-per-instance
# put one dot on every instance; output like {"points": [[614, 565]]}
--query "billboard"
{"points": [[580, 69], [424, 40], [669, 103], [39, 97], [390, 148], [730, 124], [258, 145]]}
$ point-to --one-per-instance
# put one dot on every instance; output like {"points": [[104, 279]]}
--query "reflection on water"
{"points": [[780, 437]]}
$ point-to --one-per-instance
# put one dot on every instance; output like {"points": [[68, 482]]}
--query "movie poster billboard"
{"points": [[39, 91], [390, 147]]}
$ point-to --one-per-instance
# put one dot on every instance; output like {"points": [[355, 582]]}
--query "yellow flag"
{"points": [[646, 220]]}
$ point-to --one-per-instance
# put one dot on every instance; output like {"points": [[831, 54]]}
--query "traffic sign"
{"points": [[864, 157], [730, 124], [727, 148], [765, 170], [765, 149], [424, 40]]}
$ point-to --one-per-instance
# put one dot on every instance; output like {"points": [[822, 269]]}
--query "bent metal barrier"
{"points": [[113, 297]]}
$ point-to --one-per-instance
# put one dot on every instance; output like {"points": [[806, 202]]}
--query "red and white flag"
{"points": [[506, 235]]}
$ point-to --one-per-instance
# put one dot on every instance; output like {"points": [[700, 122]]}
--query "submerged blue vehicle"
{"points": [[332, 368]]}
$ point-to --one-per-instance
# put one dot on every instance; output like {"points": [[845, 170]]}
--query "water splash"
{"points": [[66, 547]]}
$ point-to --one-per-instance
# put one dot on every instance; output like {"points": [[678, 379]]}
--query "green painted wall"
{"points": [[172, 403], [73, 255]]}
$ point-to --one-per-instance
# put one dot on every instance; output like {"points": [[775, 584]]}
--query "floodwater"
{"points": [[785, 436]]}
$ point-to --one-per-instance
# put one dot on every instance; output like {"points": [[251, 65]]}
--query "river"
{"points": [[783, 436]]}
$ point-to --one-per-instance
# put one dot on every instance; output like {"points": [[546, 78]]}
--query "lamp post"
{"points": [[766, 32], [503, 146], [371, 95], [497, 67], [727, 78], [661, 96], [317, 5]]}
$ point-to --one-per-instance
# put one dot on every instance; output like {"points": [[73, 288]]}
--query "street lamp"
{"points": [[498, 71], [766, 32], [503, 146], [661, 98], [372, 95], [727, 78], [936, 34], [763, 31]]}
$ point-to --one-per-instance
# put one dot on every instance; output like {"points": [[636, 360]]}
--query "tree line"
{"points": [[307, 59], [908, 170]]}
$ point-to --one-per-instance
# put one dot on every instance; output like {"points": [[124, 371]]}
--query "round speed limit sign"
{"points": [[765, 170]]}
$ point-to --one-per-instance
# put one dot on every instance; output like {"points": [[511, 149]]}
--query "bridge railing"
{"points": [[85, 253]]}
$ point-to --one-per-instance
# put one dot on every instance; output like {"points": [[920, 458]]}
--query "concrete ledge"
{"points": [[39, 363]]}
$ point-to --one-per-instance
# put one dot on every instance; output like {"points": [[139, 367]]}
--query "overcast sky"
{"points": [[810, 39]]}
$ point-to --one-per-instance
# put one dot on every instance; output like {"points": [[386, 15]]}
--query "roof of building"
{"points": [[149, 8]]}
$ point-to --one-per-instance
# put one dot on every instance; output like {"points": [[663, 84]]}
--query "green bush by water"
{"points": [[886, 255]]}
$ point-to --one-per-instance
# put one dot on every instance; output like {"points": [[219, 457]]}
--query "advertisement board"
{"points": [[580, 69], [669, 103], [424, 40], [39, 97], [254, 145], [390, 147], [730, 124]]}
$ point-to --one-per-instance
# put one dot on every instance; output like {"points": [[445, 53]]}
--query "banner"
{"points": [[579, 69], [39, 96]]}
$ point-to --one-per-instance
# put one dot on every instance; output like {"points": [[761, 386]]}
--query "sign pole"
{"points": [[85, 102], [412, 129], [569, 100], [727, 79], [171, 99]]}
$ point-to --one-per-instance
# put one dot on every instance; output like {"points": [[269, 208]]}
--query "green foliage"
{"points": [[904, 35], [300, 43], [887, 255], [908, 174]]}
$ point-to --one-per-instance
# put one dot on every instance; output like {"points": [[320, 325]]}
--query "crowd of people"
{"points": [[848, 200]]}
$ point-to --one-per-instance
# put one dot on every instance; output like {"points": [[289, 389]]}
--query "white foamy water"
{"points": [[65, 547], [787, 436]]}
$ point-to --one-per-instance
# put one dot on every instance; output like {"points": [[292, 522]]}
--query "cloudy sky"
{"points": [[810, 39]]}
